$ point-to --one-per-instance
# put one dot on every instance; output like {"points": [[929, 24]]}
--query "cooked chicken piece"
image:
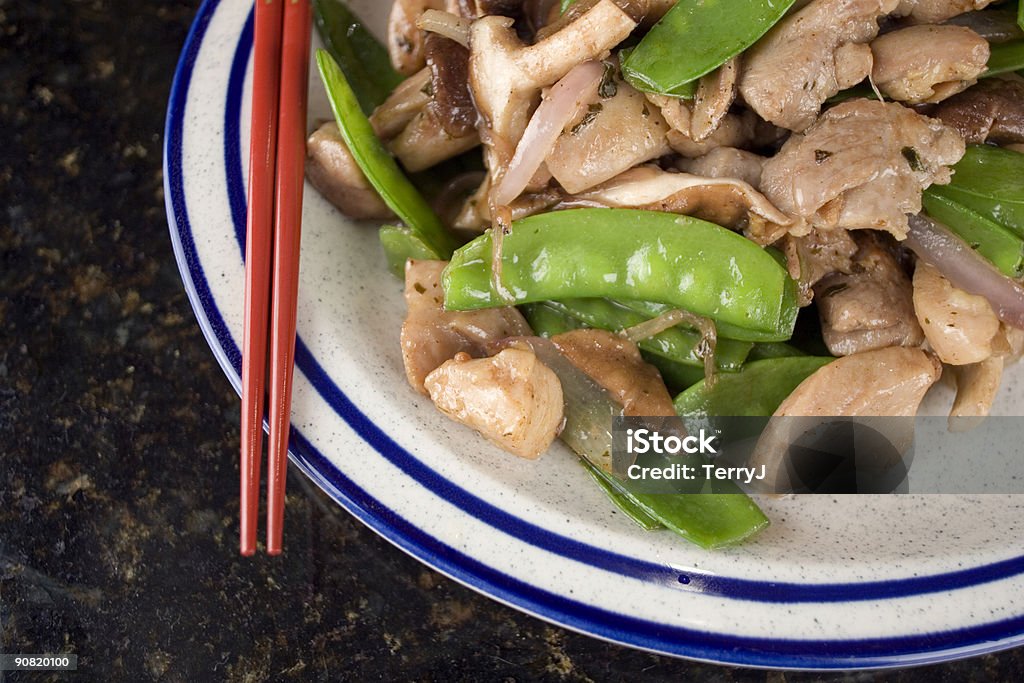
{"points": [[883, 382], [991, 111], [610, 137], [927, 64], [960, 327], [734, 130], [715, 93], [405, 40], [336, 175], [402, 105], [615, 363], [976, 388], [512, 399], [425, 143], [450, 102], [934, 11], [808, 57], [431, 335], [871, 306], [811, 257], [726, 162], [863, 164], [506, 76], [725, 201]]}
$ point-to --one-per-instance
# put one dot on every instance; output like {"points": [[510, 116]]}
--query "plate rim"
{"points": [[689, 643]]}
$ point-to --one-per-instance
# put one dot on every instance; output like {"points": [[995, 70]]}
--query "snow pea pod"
{"points": [[380, 167], [710, 520], [695, 38], [988, 181], [548, 320], [1000, 246], [631, 509], [400, 245], [676, 344], [679, 261], [362, 58], [1005, 57], [757, 390]]}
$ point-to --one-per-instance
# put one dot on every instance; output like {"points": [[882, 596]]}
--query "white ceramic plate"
{"points": [[833, 583]]}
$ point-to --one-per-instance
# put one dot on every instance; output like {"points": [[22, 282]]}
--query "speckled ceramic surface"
{"points": [[833, 583]]}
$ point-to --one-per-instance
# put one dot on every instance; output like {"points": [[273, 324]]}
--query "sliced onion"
{"points": [[445, 24], [966, 269], [705, 347], [559, 108]]}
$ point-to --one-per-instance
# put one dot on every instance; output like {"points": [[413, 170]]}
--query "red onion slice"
{"points": [[554, 113], [966, 269]]}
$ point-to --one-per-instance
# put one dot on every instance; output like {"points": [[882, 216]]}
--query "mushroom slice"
{"points": [[450, 102], [615, 363], [425, 143], [611, 136], [991, 111], [811, 257], [405, 39], [976, 388], [402, 106], [512, 399], [506, 75], [725, 201], [886, 382], [870, 306], [934, 11], [960, 327], [803, 60], [726, 162], [431, 335], [863, 164], [336, 175], [715, 93], [927, 64]]}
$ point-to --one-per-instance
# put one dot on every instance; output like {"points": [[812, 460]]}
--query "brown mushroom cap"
{"points": [[991, 111]]}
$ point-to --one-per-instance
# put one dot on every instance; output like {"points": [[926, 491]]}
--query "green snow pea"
{"points": [[547, 320], [1000, 246], [676, 344], [695, 38], [988, 181], [710, 520], [756, 390], [1005, 57], [362, 58], [631, 509], [1020, 15], [678, 261], [379, 166], [400, 245], [766, 350]]}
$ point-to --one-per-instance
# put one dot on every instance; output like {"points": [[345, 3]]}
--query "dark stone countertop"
{"points": [[118, 432]]}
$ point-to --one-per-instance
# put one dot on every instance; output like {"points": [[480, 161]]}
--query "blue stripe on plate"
{"points": [[651, 635]]}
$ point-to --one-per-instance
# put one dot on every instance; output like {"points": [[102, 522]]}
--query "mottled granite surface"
{"points": [[118, 432]]}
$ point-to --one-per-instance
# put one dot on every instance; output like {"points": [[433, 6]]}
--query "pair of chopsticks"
{"points": [[276, 175]]}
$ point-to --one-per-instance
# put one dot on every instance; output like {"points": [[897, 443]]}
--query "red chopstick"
{"points": [[259, 229], [291, 160], [277, 162]]}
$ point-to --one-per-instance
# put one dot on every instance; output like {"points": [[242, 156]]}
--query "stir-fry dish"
{"points": [[702, 207]]}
